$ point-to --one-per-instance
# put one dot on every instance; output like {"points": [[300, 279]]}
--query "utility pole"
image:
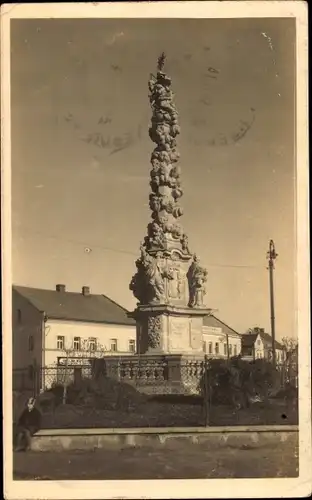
{"points": [[271, 256]]}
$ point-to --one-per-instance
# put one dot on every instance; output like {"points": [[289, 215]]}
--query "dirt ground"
{"points": [[179, 461], [156, 414]]}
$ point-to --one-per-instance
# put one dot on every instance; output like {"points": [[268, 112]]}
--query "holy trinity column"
{"points": [[170, 282]]}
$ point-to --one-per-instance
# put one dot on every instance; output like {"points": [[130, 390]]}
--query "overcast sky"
{"points": [[80, 155]]}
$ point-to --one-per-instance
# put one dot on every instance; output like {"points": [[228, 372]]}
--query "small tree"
{"points": [[290, 360], [85, 352], [237, 381]]}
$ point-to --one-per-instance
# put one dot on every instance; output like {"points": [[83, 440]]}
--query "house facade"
{"points": [[258, 345], [57, 328], [219, 340], [52, 325]]}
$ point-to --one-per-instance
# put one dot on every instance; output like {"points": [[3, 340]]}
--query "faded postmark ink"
{"points": [[221, 138], [104, 138]]}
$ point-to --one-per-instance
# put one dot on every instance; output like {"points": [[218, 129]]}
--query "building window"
{"points": [[259, 341], [131, 345], [225, 349], [113, 345], [92, 344], [77, 343], [235, 350], [230, 349], [217, 348], [19, 316], [30, 343], [210, 348], [60, 342]]}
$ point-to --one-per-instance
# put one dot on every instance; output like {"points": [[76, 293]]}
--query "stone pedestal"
{"points": [[168, 329]]}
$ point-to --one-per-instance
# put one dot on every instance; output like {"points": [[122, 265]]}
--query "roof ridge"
{"points": [[225, 324], [269, 335], [66, 291], [28, 299], [116, 303], [98, 308]]}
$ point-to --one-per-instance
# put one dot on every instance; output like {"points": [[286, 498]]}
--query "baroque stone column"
{"points": [[170, 283]]}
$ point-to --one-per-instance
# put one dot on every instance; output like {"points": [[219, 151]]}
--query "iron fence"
{"points": [[131, 392]]}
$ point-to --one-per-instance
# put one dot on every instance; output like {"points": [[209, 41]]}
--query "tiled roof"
{"points": [[215, 322], [75, 306], [267, 338], [248, 339]]}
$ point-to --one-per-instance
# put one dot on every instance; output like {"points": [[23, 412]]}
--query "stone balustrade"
{"points": [[157, 373]]}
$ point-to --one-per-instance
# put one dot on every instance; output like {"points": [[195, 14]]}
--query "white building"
{"points": [[53, 328], [50, 325], [219, 340], [258, 345]]}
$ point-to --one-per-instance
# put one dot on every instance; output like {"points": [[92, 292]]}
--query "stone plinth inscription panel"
{"points": [[196, 333], [178, 334]]}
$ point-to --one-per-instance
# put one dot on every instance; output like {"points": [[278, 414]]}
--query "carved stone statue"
{"points": [[163, 131], [164, 173], [147, 284], [181, 284], [164, 233], [185, 244], [171, 275], [197, 278], [155, 234], [153, 275], [155, 202]]}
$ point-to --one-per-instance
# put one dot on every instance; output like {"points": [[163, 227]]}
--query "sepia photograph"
{"points": [[151, 242]]}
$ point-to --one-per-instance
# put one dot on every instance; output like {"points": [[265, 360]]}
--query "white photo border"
{"points": [[205, 488]]}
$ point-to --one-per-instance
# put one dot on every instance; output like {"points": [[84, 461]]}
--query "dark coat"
{"points": [[30, 420]]}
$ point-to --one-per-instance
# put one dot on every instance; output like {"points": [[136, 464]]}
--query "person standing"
{"points": [[28, 424]]}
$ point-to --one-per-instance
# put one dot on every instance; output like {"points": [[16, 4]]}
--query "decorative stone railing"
{"points": [[194, 369], [136, 370], [171, 373]]}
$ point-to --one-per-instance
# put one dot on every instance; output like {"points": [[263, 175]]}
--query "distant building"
{"points": [[219, 340], [56, 327], [50, 325], [258, 345]]}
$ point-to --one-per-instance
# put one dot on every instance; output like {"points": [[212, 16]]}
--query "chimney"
{"points": [[60, 288], [85, 290]]}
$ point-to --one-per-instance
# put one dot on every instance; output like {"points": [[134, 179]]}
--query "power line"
{"points": [[89, 247], [82, 243]]}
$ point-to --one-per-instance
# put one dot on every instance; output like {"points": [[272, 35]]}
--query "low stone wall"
{"points": [[215, 437]]}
